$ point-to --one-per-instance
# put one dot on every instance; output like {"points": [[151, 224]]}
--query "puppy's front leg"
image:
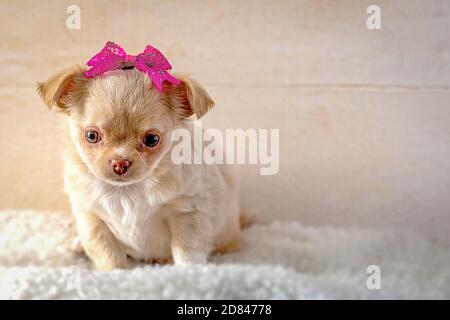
{"points": [[191, 238], [99, 243]]}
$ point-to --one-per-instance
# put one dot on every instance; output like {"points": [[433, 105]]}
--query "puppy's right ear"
{"points": [[63, 89], [188, 97]]}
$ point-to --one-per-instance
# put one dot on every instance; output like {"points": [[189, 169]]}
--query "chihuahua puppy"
{"points": [[129, 199]]}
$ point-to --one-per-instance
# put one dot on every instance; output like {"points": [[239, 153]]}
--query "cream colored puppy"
{"points": [[129, 199]]}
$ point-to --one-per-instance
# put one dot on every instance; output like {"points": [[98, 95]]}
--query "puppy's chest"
{"points": [[136, 220]]}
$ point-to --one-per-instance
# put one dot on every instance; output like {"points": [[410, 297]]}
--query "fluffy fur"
{"points": [[156, 211]]}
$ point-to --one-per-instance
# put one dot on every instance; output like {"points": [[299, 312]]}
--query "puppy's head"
{"points": [[120, 124]]}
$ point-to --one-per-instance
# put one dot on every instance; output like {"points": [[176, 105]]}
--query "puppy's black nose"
{"points": [[120, 165]]}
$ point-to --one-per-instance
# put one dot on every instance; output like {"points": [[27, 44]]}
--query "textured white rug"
{"points": [[277, 261]]}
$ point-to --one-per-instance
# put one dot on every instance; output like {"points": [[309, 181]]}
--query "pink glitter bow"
{"points": [[151, 62]]}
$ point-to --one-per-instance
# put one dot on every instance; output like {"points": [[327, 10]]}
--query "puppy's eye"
{"points": [[92, 136], [151, 140]]}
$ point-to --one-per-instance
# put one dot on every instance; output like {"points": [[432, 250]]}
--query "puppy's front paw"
{"points": [[77, 246], [111, 262], [189, 258]]}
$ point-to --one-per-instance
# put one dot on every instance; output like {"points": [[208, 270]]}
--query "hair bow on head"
{"points": [[150, 61]]}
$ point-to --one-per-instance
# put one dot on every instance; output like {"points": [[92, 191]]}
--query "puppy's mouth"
{"points": [[125, 179], [118, 180]]}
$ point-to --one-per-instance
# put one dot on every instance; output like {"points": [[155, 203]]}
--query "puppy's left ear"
{"points": [[187, 98], [63, 89]]}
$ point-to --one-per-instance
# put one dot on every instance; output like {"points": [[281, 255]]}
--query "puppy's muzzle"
{"points": [[120, 165]]}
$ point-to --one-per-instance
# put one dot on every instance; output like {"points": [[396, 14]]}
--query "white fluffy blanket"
{"points": [[277, 261]]}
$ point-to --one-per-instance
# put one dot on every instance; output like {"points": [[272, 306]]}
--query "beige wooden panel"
{"points": [[348, 156], [253, 42]]}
